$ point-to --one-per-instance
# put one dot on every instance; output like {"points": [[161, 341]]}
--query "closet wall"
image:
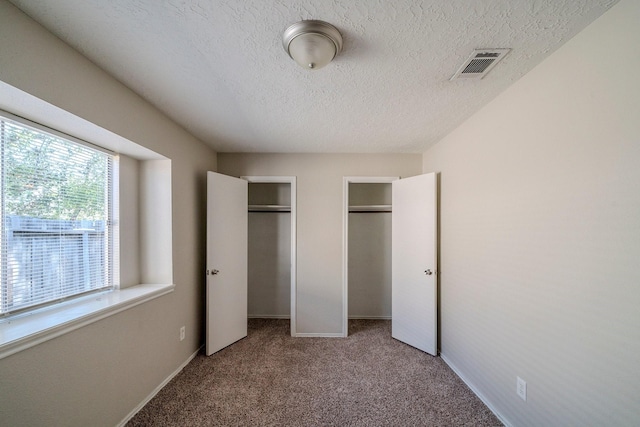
{"points": [[269, 247], [369, 243], [320, 198]]}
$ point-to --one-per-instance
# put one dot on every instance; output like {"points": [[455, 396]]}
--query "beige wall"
{"points": [[370, 265], [540, 235], [319, 237], [269, 263], [96, 375]]}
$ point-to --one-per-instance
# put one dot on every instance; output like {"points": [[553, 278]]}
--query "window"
{"points": [[58, 217]]}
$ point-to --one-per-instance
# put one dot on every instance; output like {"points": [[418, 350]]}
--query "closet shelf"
{"points": [[269, 208], [370, 208]]}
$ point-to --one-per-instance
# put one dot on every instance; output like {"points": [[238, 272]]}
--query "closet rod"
{"points": [[369, 208], [269, 208]]}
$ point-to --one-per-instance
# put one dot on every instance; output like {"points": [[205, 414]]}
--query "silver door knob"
{"points": [[428, 272]]}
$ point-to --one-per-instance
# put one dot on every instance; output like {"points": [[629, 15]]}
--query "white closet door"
{"points": [[413, 259], [226, 261]]}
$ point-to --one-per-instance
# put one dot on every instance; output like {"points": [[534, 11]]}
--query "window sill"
{"points": [[27, 330]]}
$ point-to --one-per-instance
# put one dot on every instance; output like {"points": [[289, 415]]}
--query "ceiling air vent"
{"points": [[480, 63]]}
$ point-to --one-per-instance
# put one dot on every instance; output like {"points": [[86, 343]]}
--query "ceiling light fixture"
{"points": [[312, 44]]}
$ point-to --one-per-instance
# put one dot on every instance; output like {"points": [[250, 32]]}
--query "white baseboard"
{"points": [[269, 316], [476, 391], [355, 317], [318, 335], [157, 389]]}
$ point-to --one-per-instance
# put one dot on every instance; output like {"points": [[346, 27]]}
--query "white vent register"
{"points": [[480, 63]]}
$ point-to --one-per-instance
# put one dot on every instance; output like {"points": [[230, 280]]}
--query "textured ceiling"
{"points": [[218, 67]]}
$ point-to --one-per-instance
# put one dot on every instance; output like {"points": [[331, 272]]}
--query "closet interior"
{"points": [[369, 251], [269, 250]]}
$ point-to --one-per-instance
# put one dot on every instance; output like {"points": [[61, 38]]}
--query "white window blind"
{"points": [[57, 212]]}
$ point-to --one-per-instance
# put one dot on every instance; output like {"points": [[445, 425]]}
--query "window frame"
{"points": [[111, 238]]}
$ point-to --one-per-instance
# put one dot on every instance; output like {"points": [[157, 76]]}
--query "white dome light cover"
{"points": [[312, 44]]}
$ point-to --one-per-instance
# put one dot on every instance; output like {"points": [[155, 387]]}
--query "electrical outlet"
{"points": [[521, 388], [181, 333]]}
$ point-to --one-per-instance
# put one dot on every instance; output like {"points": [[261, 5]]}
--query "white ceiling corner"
{"points": [[218, 67]]}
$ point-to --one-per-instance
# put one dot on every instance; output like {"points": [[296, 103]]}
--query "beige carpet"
{"points": [[271, 379]]}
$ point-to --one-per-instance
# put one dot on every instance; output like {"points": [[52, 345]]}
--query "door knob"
{"points": [[213, 272], [428, 272]]}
